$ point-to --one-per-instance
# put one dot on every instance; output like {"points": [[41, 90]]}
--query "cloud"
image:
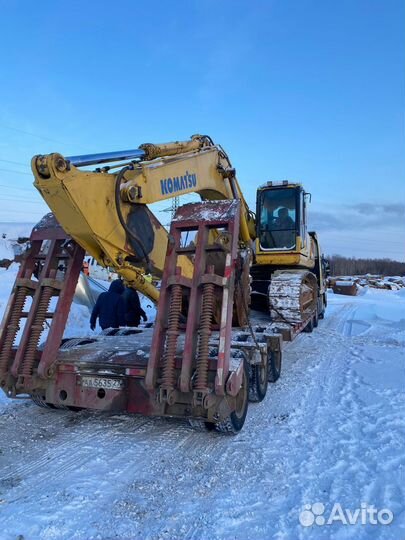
{"points": [[363, 229], [362, 215], [397, 209], [320, 220]]}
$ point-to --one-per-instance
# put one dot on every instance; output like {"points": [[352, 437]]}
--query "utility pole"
{"points": [[175, 205]]}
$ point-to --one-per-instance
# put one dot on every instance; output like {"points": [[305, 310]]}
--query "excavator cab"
{"points": [[281, 217], [286, 274]]}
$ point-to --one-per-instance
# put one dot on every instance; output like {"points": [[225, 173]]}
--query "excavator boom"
{"points": [[106, 211]]}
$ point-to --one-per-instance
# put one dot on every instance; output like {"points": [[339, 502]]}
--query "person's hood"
{"points": [[117, 286]]}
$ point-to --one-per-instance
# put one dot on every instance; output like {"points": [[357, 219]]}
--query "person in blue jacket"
{"points": [[133, 308], [110, 307]]}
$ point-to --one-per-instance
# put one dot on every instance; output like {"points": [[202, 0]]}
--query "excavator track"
{"points": [[292, 296]]}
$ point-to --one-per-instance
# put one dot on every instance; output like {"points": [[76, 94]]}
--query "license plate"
{"points": [[101, 382]]}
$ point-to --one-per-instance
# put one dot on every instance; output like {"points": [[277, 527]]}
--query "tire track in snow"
{"points": [[157, 479], [356, 463]]}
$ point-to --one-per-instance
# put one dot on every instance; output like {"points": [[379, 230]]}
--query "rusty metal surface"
{"points": [[214, 212], [65, 297], [48, 228], [49, 269], [124, 355], [24, 360], [193, 318], [13, 314], [202, 301], [144, 372], [349, 288]]}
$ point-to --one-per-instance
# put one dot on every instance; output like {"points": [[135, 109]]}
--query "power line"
{"points": [[17, 172], [15, 162], [28, 215], [36, 203], [19, 199], [26, 190], [13, 212], [32, 134], [11, 197]]}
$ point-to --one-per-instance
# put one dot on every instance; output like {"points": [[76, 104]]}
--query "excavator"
{"points": [[230, 285]]}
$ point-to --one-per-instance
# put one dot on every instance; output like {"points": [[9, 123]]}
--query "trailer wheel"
{"points": [[316, 319], [40, 401], [324, 304], [310, 326], [274, 365], [201, 425], [234, 423], [258, 381]]}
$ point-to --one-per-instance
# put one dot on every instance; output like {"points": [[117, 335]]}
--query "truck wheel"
{"points": [[258, 382], [274, 365], [234, 423], [40, 401], [324, 303], [316, 319], [310, 326], [201, 425]]}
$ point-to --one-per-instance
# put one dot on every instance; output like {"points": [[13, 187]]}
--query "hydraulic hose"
{"points": [[130, 233]]}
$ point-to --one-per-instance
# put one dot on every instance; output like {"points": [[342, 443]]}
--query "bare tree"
{"points": [[340, 266]]}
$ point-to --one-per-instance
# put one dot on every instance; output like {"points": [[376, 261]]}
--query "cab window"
{"points": [[277, 228]]}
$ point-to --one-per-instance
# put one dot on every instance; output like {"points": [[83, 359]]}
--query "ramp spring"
{"points": [[201, 380], [169, 357], [36, 331], [13, 327]]}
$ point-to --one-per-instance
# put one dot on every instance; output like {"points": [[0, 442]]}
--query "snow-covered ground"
{"points": [[331, 430], [9, 233]]}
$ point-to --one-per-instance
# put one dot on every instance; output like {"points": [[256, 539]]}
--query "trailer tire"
{"points": [[40, 401], [258, 382], [324, 304], [310, 326], [234, 423], [274, 365], [316, 319], [201, 425]]}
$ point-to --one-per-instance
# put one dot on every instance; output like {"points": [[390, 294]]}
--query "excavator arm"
{"points": [[106, 210]]}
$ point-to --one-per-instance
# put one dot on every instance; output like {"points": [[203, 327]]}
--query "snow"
{"points": [[78, 320], [205, 211], [331, 430], [9, 234], [342, 283], [6, 251], [14, 230]]}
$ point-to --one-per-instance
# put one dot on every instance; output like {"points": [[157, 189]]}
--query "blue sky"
{"points": [[312, 91]]}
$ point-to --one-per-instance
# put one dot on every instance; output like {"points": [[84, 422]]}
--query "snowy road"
{"points": [[331, 430]]}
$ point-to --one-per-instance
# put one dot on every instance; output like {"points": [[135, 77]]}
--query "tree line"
{"points": [[340, 266]]}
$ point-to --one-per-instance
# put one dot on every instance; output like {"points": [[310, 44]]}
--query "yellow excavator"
{"points": [[219, 264]]}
